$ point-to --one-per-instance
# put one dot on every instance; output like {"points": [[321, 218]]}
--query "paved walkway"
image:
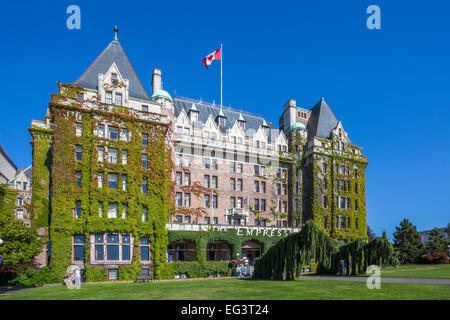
{"points": [[445, 282]]}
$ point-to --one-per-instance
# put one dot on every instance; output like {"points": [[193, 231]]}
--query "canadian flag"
{"points": [[216, 55]]}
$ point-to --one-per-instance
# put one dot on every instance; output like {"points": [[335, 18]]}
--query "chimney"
{"points": [[156, 80]]}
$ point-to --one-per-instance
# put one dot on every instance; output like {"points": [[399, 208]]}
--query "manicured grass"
{"points": [[418, 271], [236, 289]]}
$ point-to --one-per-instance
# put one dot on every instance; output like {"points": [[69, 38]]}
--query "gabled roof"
{"points": [[113, 53], [322, 121]]}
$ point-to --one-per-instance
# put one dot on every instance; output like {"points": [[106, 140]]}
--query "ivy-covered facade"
{"points": [[106, 168]]}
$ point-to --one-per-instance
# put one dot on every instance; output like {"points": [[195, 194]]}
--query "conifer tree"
{"points": [[407, 243], [436, 242]]}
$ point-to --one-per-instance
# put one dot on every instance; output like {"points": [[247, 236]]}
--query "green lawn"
{"points": [[418, 271], [235, 289]]}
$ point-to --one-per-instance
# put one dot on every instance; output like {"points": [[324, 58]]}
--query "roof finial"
{"points": [[116, 31]]}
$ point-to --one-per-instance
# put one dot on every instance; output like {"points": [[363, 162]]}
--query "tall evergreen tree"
{"points": [[437, 242], [407, 243], [370, 234], [21, 243]]}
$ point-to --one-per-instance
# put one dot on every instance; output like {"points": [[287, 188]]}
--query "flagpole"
{"points": [[221, 80]]}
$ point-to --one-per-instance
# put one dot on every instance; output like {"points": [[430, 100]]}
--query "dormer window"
{"points": [[222, 122], [114, 79], [242, 125], [194, 116]]}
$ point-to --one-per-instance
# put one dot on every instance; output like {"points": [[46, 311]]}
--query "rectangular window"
{"points": [[232, 166], [112, 155], [101, 131], [99, 252], [187, 161], [207, 164], [179, 219], [100, 180], [77, 209], [78, 248], [124, 135], [256, 170], [187, 179], [112, 252], [100, 154], [256, 205], [126, 252], [239, 185], [145, 249], [112, 181], [214, 182], [239, 202], [144, 161], [278, 188], [206, 179], [100, 209], [179, 201], [144, 214], [232, 184], [263, 204], [145, 185], [256, 186], [145, 139], [342, 185], [263, 186], [263, 170], [124, 183], [19, 214], [108, 97], [207, 220], [232, 202], [207, 200], [19, 201], [144, 108], [112, 210], [124, 211], [215, 166], [118, 99], [78, 174], [187, 200], [239, 168], [79, 129], [341, 169], [78, 153], [178, 178], [214, 201], [215, 220], [124, 156], [187, 219], [113, 133]]}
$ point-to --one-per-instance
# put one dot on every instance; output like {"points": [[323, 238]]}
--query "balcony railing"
{"points": [[223, 227]]}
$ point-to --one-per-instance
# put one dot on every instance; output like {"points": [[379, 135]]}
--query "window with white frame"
{"points": [[112, 210], [100, 154], [124, 210], [101, 130], [124, 156], [19, 214], [108, 97], [79, 129], [113, 133], [112, 181], [118, 99], [112, 247], [100, 179], [124, 135], [124, 182], [112, 155], [144, 214]]}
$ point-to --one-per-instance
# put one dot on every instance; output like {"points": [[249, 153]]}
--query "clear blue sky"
{"points": [[389, 87]]}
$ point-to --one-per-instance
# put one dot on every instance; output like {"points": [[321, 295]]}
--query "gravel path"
{"points": [[445, 282]]}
